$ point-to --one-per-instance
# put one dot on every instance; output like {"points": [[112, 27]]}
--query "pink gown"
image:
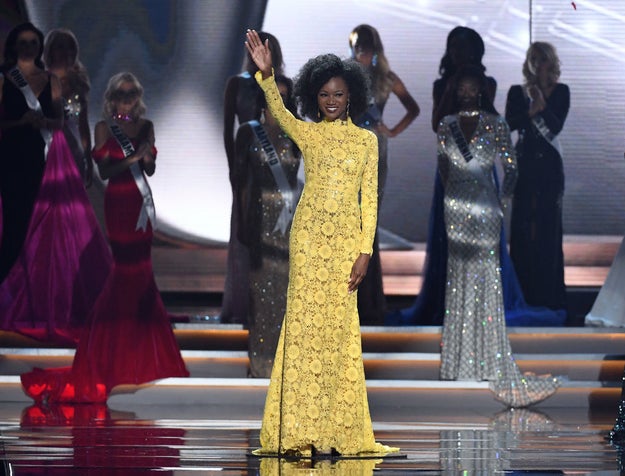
{"points": [[64, 261]]}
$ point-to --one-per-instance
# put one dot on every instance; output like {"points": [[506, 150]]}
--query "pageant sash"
{"points": [[488, 195], [148, 211], [33, 103], [541, 126], [288, 194]]}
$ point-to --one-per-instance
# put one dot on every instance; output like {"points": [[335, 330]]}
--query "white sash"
{"points": [[488, 195], [32, 102], [289, 195], [541, 126], [147, 207]]}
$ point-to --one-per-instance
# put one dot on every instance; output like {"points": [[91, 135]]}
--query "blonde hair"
{"points": [[368, 37], [114, 85], [549, 52]]}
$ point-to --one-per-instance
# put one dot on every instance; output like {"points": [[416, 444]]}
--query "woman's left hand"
{"points": [[359, 270]]}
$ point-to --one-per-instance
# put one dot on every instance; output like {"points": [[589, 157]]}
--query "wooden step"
{"points": [[600, 368], [390, 396], [202, 269]]}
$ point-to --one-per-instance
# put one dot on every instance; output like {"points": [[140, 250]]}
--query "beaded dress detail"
{"points": [[475, 344]]}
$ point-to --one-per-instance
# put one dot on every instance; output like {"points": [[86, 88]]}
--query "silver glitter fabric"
{"points": [[268, 247], [475, 345]]}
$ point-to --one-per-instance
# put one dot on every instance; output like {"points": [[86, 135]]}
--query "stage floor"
{"points": [[180, 440]]}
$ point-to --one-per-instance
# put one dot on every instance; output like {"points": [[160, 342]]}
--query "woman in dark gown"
{"points": [[48, 217], [23, 145], [537, 110], [268, 195], [366, 47], [129, 339], [242, 103]]}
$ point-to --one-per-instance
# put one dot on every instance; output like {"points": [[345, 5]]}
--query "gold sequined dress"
{"points": [[317, 395], [261, 204], [475, 344]]}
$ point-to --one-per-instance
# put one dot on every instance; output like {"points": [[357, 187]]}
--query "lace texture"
{"points": [[317, 395]]}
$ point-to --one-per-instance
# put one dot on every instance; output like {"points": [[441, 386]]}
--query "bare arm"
{"points": [[411, 106], [108, 168], [230, 97], [56, 121]]}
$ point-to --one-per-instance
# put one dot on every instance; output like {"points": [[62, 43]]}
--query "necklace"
{"points": [[122, 117], [469, 113]]}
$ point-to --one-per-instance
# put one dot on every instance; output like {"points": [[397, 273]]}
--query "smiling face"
{"points": [[333, 98]]}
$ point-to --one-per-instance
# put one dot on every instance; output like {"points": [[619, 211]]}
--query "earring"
{"points": [[347, 109], [319, 114], [374, 60], [262, 116]]}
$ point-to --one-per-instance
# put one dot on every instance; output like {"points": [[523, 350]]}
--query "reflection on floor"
{"points": [[86, 439], [210, 422]]}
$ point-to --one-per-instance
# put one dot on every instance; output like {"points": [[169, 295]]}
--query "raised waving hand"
{"points": [[260, 53]]}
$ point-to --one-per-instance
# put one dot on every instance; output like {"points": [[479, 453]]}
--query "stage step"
{"points": [[402, 360], [202, 269], [524, 340], [388, 396], [602, 368]]}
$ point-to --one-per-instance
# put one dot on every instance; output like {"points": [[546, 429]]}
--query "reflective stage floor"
{"points": [[189, 440]]}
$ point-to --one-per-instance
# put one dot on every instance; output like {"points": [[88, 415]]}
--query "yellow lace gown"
{"points": [[317, 393]]}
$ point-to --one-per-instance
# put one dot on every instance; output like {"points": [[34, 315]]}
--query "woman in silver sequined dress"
{"points": [[264, 224], [475, 345]]}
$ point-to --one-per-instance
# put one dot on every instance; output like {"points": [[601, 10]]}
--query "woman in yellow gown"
{"points": [[317, 400]]}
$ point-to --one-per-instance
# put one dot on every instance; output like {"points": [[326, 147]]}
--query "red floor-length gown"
{"points": [[129, 339]]}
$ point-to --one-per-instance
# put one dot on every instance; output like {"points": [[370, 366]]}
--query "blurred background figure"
{"points": [[464, 47], [27, 125], [475, 344], [265, 177], [537, 110], [129, 339], [60, 55], [366, 48], [47, 215], [242, 103]]}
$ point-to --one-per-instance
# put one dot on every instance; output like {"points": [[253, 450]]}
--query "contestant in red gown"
{"points": [[129, 339]]}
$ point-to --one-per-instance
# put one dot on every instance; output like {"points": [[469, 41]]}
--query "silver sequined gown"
{"points": [[268, 248], [475, 345]]}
